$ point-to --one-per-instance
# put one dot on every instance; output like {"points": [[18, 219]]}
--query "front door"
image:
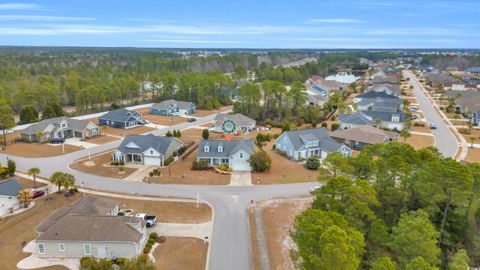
{"points": [[101, 251]]}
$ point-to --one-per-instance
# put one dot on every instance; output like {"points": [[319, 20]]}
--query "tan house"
{"points": [[90, 227], [59, 128]]}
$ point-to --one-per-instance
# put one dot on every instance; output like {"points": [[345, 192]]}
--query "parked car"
{"points": [[151, 220], [313, 189], [433, 126], [57, 140], [191, 119], [37, 193], [415, 116]]}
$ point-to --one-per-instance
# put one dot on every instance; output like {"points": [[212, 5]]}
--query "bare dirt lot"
{"points": [[96, 166], [278, 217], [473, 133], [35, 150], [203, 113], [283, 170], [125, 132], [420, 141], [102, 139], [180, 253], [425, 128], [160, 119]]}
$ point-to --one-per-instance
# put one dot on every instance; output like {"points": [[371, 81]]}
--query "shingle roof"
{"points": [[356, 118], [10, 187], [87, 220], [229, 148], [385, 86], [240, 119], [365, 134], [473, 69], [469, 100], [385, 116], [159, 143], [74, 124], [120, 115], [164, 105], [376, 94], [325, 141]]}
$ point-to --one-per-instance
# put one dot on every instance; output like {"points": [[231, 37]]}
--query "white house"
{"points": [[235, 153]]}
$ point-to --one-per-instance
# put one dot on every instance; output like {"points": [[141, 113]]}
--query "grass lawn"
{"points": [[34, 150], [419, 141], [283, 170], [180, 253], [96, 166], [278, 217]]}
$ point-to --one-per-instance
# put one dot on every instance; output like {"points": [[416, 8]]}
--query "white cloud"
{"points": [[191, 41], [41, 18], [18, 6], [336, 20]]}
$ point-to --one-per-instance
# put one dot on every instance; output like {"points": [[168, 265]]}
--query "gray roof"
{"points": [[440, 78], [473, 69], [120, 115], [356, 118], [159, 143], [240, 119], [10, 187], [87, 220], [365, 134], [468, 100], [229, 148], [74, 124], [326, 143], [376, 94], [385, 116], [165, 105], [395, 88]]}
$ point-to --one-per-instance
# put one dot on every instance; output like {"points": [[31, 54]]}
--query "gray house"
{"points": [[358, 137], [388, 120], [59, 127], [90, 227], [9, 189], [380, 104], [235, 153], [121, 118], [146, 149], [305, 143], [171, 106], [244, 123]]}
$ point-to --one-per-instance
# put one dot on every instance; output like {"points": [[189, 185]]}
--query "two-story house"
{"points": [[305, 143]]}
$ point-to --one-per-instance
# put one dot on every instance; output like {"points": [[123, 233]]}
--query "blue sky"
{"points": [[242, 23]]}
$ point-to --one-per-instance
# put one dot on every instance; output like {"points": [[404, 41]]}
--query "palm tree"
{"points": [[405, 134], [378, 122], [472, 140], [33, 172], [25, 197], [68, 181], [57, 179]]}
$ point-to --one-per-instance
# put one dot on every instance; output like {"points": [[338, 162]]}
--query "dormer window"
{"points": [[220, 148], [206, 149]]}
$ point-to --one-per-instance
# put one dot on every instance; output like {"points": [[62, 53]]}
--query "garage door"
{"points": [[241, 166], [151, 161]]}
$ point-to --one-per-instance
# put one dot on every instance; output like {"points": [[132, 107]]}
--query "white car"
{"points": [[313, 189]]}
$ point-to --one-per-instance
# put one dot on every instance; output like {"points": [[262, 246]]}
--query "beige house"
{"points": [[59, 128], [90, 227]]}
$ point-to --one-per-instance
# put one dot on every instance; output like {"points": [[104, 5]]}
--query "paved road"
{"points": [[230, 243], [445, 141]]}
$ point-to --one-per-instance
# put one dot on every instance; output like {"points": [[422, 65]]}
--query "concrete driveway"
{"points": [[241, 178]]}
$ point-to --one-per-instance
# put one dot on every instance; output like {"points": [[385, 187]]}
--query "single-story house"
{"points": [[59, 127], [90, 227], [9, 189], [327, 85], [146, 149], [244, 123], [230, 93], [235, 153], [380, 104], [121, 118], [305, 143], [388, 120], [171, 106], [472, 71], [391, 89], [371, 95], [358, 137], [440, 79], [467, 102]]}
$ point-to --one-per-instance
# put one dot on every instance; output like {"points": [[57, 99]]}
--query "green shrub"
{"points": [[324, 125], [260, 161], [153, 235], [229, 170], [168, 161], [146, 250], [200, 165], [335, 126], [276, 135], [222, 167], [312, 163]]}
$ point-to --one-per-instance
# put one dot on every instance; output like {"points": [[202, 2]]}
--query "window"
{"points": [[206, 149], [241, 155], [61, 247], [41, 248], [220, 149], [88, 249], [151, 152]]}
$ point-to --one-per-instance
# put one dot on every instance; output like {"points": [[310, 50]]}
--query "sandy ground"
{"points": [[98, 161], [253, 241], [203, 113], [473, 155], [473, 133], [125, 132], [181, 253], [278, 217], [283, 170], [34, 150], [425, 127], [159, 119], [27, 183], [102, 139], [419, 141]]}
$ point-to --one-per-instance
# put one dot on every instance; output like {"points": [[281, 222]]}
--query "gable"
{"points": [[149, 151], [132, 145]]}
